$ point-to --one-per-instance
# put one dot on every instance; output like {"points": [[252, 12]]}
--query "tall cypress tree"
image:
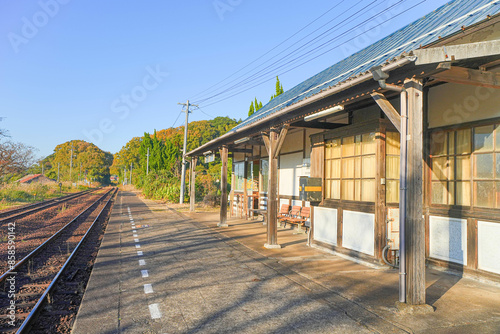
{"points": [[251, 110]]}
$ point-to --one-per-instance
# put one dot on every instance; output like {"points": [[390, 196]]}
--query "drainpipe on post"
{"points": [[381, 77]]}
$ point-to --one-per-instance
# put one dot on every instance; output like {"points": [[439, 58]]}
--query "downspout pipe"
{"points": [[381, 77], [402, 196]]}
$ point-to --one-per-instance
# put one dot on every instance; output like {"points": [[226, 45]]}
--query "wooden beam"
{"points": [[281, 140], [192, 193], [223, 188], [491, 64], [388, 110], [415, 226], [469, 76], [242, 150], [457, 52], [317, 125]]}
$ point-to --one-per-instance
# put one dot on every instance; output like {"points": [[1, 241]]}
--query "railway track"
{"points": [[23, 211], [28, 285]]}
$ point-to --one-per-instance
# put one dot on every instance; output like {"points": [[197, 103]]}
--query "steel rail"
{"points": [[18, 212], [46, 242], [25, 326]]}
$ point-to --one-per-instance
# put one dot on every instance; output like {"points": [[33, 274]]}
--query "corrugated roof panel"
{"points": [[443, 21]]}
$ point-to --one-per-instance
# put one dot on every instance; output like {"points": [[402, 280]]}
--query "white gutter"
{"points": [[306, 101]]}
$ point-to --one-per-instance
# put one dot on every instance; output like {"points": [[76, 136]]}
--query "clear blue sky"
{"points": [[67, 67]]}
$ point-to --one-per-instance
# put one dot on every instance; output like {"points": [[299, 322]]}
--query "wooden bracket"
{"points": [[388, 109]]}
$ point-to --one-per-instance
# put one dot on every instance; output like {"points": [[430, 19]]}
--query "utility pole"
{"points": [[147, 162], [183, 174], [124, 175], [131, 166]]}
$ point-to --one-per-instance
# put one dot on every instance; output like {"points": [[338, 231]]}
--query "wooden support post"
{"points": [[223, 187], [273, 142], [245, 192], [415, 226], [192, 193]]}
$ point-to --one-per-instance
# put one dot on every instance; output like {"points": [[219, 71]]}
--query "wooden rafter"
{"points": [[469, 76]]}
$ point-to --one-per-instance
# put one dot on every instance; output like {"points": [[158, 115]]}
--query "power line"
{"points": [[272, 49], [309, 60], [180, 112], [287, 55], [252, 78]]}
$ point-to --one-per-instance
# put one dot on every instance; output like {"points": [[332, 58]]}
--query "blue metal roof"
{"points": [[443, 21]]}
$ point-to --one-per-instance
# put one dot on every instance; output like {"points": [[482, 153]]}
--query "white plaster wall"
{"points": [[448, 239], [488, 239], [358, 231], [325, 225], [454, 104], [290, 169]]}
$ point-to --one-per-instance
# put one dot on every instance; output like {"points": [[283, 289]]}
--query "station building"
{"points": [[436, 81]]}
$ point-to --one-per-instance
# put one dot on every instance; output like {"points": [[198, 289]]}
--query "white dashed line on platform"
{"points": [[135, 235], [155, 311], [137, 246], [144, 273], [136, 240], [148, 288], [140, 253], [142, 262]]}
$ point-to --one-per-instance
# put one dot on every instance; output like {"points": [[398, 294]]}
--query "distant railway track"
{"points": [[17, 213], [28, 284]]}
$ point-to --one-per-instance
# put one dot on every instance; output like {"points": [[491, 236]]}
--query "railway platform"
{"points": [[159, 271]]}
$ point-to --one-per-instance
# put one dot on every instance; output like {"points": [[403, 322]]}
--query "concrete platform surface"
{"points": [[159, 271]]}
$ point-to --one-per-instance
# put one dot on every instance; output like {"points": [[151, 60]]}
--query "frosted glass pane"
{"points": [[348, 168], [485, 194], [336, 168], [463, 168], [498, 166], [451, 142], [369, 166], [497, 135], [439, 142], [357, 167], [392, 167], [463, 193], [328, 151], [357, 190], [392, 191], [335, 192], [484, 166], [328, 169], [336, 148], [392, 143], [463, 141], [348, 146], [368, 190], [439, 168], [483, 138], [439, 193], [369, 143], [348, 190], [357, 151]]}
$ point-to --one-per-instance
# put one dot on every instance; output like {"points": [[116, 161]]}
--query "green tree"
{"points": [[251, 110], [279, 88]]}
